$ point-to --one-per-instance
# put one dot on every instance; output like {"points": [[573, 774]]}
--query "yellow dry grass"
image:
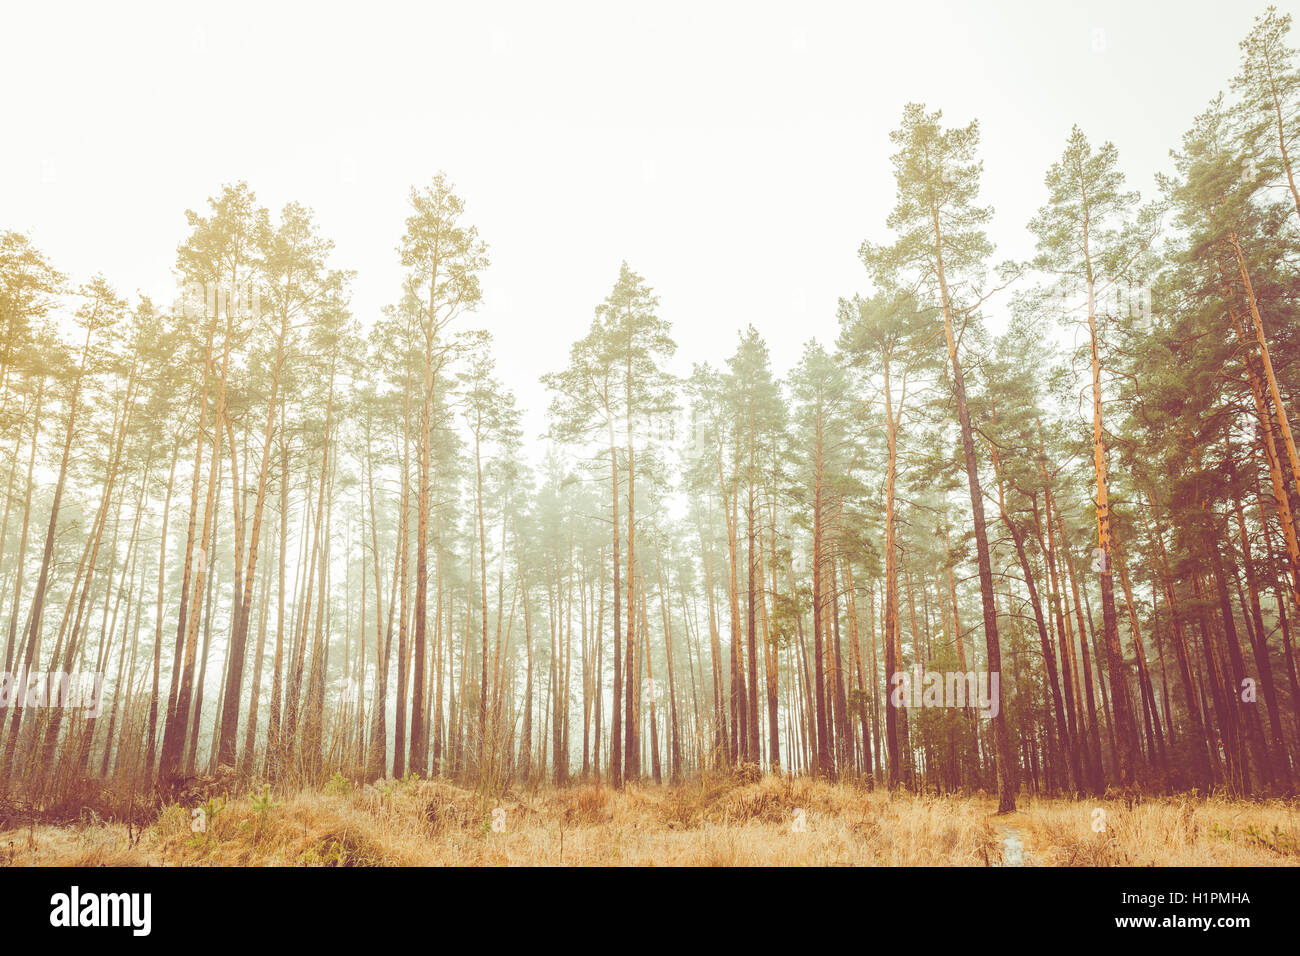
{"points": [[707, 823]]}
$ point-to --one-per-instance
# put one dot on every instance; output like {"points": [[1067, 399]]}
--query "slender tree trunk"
{"points": [[1006, 770]]}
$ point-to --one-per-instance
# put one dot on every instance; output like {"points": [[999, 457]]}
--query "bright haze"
{"points": [[736, 155]]}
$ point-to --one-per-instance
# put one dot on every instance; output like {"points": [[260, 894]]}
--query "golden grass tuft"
{"points": [[714, 821]]}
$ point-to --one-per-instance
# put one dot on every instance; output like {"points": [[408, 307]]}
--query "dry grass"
{"points": [[707, 823]]}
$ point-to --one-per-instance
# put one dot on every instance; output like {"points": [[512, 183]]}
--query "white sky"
{"points": [[735, 154]]}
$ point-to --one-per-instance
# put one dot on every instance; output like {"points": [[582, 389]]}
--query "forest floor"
{"points": [[714, 822]]}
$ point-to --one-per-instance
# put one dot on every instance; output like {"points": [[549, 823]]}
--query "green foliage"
{"points": [[262, 804], [338, 785]]}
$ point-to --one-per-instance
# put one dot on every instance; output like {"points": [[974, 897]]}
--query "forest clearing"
{"points": [[713, 822]]}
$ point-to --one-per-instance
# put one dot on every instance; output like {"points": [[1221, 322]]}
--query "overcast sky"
{"points": [[735, 154]]}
